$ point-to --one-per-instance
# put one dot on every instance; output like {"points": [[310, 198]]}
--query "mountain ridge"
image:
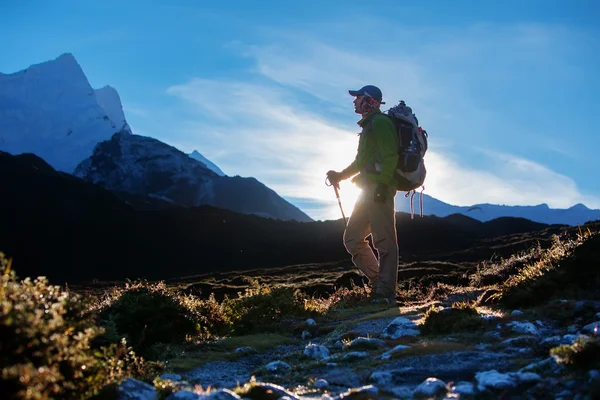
{"points": [[575, 215]]}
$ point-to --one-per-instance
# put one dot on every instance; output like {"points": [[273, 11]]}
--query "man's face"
{"points": [[358, 101]]}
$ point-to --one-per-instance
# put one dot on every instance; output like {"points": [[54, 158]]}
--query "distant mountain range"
{"points": [[575, 215]]}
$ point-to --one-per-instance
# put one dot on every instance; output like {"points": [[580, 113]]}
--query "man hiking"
{"points": [[375, 163]]}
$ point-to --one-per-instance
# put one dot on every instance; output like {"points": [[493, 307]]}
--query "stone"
{"points": [[591, 328], [363, 342], [523, 327], [321, 384], [463, 388], [316, 351], [400, 327], [278, 367], [132, 389], [494, 380], [381, 378], [355, 355], [431, 387], [388, 354]]}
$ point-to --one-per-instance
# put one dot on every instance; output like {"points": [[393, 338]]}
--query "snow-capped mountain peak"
{"points": [[50, 109], [109, 99], [209, 164]]}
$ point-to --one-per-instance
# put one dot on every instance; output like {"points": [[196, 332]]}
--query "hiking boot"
{"points": [[380, 299]]}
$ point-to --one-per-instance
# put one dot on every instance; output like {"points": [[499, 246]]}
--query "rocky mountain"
{"points": [[209, 164], [575, 215], [51, 110], [146, 166]]}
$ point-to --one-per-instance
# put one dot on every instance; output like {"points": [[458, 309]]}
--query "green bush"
{"points": [[263, 309], [462, 317], [47, 343], [583, 354], [147, 314]]}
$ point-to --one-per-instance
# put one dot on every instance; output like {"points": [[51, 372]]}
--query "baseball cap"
{"points": [[369, 90]]}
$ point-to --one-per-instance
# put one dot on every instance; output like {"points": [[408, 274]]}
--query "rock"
{"points": [[278, 367], [366, 343], [569, 338], [339, 345], [571, 384], [572, 329], [400, 327], [183, 395], [245, 349], [306, 335], [520, 341], [317, 352], [492, 334], [464, 388], [494, 380], [594, 375], [355, 355], [516, 313], [525, 377], [260, 390], [342, 376], [388, 354], [321, 384], [381, 378], [523, 327], [220, 394], [401, 392], [132, 389], [543, 365], [310, 322], [430, 388], [171, 377], [565, 394], [591, 328]]}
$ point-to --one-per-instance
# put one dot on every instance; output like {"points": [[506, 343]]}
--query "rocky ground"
{"points": [[537, 340]]}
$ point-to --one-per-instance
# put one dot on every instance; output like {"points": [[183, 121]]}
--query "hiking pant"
{"points": [[379, 220]]}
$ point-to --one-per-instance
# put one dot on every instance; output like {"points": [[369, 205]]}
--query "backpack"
{"points": [[412, 146]]}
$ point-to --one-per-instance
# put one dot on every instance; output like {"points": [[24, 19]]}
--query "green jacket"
{"points": [[377, 154]]}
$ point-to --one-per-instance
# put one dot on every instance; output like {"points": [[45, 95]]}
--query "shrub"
{"points": [[460, 318], [262, 309], [147, 314], [583, 354], [48, 345]]}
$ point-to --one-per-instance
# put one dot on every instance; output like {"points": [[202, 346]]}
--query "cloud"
{"points": [[506, 179]]}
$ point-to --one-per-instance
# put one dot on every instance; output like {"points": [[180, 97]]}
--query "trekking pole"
{"points": [[337, 195]]}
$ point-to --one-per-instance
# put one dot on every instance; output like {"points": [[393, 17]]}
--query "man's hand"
{"points": [[334, 178], [381, 192]]}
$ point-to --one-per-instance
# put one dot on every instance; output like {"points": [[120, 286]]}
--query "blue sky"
{"points": [[508, 90]]}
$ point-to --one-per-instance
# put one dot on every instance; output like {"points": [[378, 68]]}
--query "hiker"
{"points": [[374, 212]]}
